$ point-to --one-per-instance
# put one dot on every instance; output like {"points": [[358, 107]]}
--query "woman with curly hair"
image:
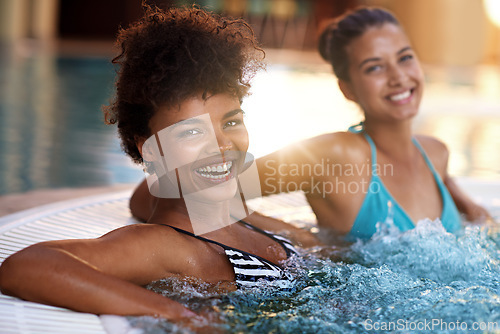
{"points": [[183, 74]]}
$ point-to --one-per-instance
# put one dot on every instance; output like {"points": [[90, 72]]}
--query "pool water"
{"points": [[51, 125], [421, 280]]}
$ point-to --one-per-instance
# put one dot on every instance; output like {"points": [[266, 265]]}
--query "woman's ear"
{"points": [[139, 141], [346, 89]]}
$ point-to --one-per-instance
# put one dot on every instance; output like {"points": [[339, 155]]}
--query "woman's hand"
{"points": [[208, 320], [475, 213]]}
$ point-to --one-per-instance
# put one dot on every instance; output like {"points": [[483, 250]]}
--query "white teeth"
{"points": [[401, 96], [224, 167]]}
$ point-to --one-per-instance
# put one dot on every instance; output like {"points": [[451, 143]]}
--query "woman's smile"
{"points": [[217, 169], [401, 97], [216, 172]]}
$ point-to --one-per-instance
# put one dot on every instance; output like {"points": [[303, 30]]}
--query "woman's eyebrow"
{"points": [[232, 113], [408, 48], [189, 121], [368, 60], [196, 120]]}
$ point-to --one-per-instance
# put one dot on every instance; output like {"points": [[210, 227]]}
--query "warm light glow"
{"points": [[493, 11], [287, 106]]}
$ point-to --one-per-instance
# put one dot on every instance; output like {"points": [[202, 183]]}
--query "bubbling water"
{"points": [[425, 279]]}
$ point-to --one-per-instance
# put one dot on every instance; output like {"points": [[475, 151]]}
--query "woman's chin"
{"points": [[224, 191]]}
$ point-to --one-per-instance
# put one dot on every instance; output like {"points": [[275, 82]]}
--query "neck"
{"points": [[394, 139], [191, 215]]}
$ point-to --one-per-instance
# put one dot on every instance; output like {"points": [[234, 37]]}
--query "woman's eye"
{"points": [[232, 123], [189, 133], [406, 58], [373, 68]]}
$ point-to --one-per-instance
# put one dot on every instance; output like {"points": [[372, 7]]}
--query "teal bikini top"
{"points": [[380, 206]]}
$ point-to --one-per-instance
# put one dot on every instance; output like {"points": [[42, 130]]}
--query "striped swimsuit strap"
{"points": [[249, 268], [282, 241]]}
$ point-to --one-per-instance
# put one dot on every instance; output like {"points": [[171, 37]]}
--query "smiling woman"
{"points": [[183, 74], [377, 69]]}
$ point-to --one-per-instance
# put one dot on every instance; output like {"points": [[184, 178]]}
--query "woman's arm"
{"points": [[439, 154], [286, 169], [100, 276], [473, 212], [299, 165]]}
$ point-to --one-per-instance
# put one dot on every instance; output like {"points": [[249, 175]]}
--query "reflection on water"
{"points": [[51, 126], [52, 132]]}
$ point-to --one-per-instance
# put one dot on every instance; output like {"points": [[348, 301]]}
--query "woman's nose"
{"points": [[220, 144], [224, 143], [396, 75]]}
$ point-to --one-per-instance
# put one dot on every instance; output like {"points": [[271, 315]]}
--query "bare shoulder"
{"points": [[436, 150], [135, 241], [432, 143], [340, 146], [142, 233], [147, 238], [335, 138], [172, 252], [337, 146]]}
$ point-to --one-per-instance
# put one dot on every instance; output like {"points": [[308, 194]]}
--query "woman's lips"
{"points": [[401, 97], [218, 169]]}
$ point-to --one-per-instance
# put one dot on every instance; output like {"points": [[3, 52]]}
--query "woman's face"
{"points": [[386, 78], [203, 143]]}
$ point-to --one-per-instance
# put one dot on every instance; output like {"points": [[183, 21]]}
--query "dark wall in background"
{"points": [[96, 19]]}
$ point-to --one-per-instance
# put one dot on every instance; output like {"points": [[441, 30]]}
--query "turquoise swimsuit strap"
{"points": [[427, 160], [373, 149], [359, 128]]}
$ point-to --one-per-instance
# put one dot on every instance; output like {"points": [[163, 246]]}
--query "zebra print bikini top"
{"points": [[249, 268]]}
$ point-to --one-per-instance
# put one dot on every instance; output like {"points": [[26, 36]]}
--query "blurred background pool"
{"points": [[55, 74]]}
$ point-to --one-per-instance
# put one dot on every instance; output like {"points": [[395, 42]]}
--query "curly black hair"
{"points": [[171, 55]]}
